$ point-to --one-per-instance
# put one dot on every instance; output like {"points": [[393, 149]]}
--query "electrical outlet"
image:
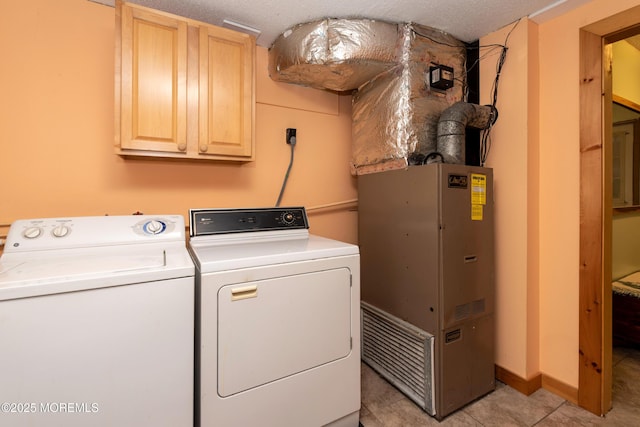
{"points": [[291, 136]]}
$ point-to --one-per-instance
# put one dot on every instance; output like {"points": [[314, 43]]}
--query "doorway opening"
{"points": [[595, 299]]}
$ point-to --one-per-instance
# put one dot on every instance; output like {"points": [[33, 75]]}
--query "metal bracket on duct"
{"points": [[386, 65]]}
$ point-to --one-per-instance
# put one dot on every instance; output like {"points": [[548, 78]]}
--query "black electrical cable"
{"points": [[292, 142], [450, 44], [461, 79], [485, 140], [492, 46]]}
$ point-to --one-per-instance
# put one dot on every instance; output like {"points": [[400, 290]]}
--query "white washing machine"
{"points": [[97, 323], [277, 321]]}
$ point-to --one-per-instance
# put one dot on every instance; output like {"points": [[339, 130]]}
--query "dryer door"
{"points": [[271, 329]]}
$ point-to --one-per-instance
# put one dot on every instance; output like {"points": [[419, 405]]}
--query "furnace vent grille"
{"points": [[401, 353]]}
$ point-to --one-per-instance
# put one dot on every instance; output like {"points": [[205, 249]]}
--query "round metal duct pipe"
{"points": [[452, 129]]}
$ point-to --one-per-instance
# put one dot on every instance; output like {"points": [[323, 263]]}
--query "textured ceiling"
{"points": [[467, 20]]}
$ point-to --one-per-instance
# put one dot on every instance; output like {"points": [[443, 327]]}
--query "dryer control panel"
{"points": [[223, 221]]}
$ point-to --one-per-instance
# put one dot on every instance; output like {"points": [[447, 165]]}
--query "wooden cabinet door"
{"points": [[226, 93], [153, 86]]}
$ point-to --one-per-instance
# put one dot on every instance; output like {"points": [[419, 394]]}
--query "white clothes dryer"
{"points": [[277, 321], [97, 323]]}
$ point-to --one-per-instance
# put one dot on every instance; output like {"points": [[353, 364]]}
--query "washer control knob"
{"points": [[61, 231], [154, 227], [32, 232]]}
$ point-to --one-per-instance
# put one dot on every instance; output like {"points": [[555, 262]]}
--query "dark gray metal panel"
{"points": [[466, 344], [453, 369], [428, 261], [398, 239], [483, 361], [467, 369], [467, 249]]}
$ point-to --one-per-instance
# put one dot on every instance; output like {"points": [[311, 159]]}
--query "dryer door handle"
{"points": [[244, 292]]}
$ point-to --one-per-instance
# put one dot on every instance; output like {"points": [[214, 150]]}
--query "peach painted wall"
{"points": [[513, 157], [560, 183], [56, 124], [56, 157], [552, 158]]}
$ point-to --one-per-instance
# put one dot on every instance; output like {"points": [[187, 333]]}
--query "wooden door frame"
{"points": [[595, 336]]}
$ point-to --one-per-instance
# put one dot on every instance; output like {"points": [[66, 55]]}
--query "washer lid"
{"points": [[211, 253], [28, 275]]}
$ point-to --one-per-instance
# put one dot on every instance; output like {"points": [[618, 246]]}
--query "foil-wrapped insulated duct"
{"points": [[335, 54], [387, 65]]}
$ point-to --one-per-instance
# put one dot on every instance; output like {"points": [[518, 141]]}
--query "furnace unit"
{"points": [[427, 269]]}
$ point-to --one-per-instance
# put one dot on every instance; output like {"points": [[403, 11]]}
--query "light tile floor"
{"points": [[384, 406]]}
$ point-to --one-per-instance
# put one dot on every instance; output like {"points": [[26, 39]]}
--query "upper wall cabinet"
{"points": [[184, 89], [226, 96]]}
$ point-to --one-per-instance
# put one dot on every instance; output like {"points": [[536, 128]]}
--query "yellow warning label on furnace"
{"points": [[478, 189], [476, 212], [478, 195]]}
